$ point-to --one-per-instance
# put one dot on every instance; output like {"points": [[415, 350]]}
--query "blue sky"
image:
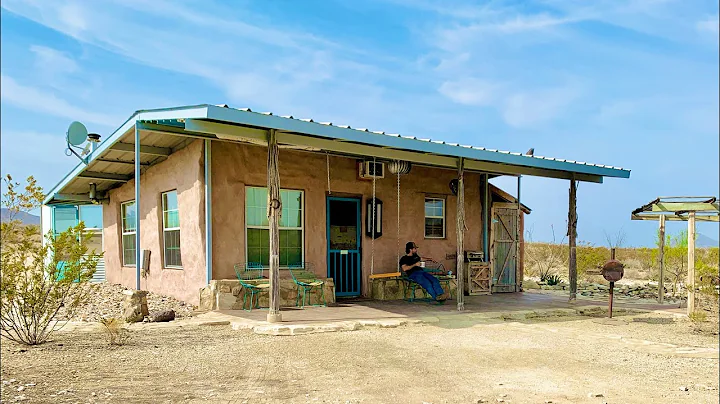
{"points": [[628, 83]]}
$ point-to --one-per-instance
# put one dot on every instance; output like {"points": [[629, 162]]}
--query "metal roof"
{"points": [[165, 131]]}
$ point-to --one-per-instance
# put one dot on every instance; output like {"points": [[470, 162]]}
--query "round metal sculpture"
{"points": [[613, 270], [399, 167]]}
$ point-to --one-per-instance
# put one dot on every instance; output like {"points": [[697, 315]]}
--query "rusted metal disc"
{"points": [[613, 270]]}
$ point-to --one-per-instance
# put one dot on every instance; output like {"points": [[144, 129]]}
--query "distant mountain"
{"points": [[703, 241], [25, 218]]}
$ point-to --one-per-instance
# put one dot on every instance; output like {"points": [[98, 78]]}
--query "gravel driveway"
{"points": [[630, 359]]}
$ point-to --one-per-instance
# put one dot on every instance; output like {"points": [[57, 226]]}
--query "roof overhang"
{"points": [[164, 131]]}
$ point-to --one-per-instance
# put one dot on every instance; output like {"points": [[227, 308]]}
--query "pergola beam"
{"points": [[675, 218], [152, 150], [96, 175]]}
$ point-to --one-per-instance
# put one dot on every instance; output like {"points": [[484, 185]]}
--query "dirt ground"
{"points": [[630, 359]]}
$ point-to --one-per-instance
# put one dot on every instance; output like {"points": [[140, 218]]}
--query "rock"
{"points": [[482, 400], [162, 316], [530, 284], [683, 388], [595, 395], [20, 388], [135, 307]]}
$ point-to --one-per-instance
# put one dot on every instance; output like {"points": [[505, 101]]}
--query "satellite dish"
{"points": [[76, 134]]}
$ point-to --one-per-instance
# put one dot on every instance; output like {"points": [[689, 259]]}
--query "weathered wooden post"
{"points": [[572, 238], [274, 212], [691, 264], [661, 259], [460, 230]]}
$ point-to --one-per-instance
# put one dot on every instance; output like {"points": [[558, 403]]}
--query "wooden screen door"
{"points": [[504, 246], [343, 235]]}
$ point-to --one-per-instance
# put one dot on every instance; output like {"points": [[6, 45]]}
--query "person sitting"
{"points": [[412, 265]]}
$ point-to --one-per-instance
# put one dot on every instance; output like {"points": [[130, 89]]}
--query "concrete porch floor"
{"points": [[348, 315]]}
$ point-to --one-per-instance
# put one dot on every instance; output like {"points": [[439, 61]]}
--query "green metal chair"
{"points": [[433, 267], [251, 271], [305, 280]]}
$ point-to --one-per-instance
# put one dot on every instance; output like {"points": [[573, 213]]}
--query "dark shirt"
{"points": [[410, 260]]}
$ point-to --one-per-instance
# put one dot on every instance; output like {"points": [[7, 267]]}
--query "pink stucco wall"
{"points": [[236, 166], [182, 171]]}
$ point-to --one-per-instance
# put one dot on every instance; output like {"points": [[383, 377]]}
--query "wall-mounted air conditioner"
{"points": [[369, 169]]}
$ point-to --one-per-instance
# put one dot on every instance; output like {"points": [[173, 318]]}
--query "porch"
{"points": [[354, 314]]}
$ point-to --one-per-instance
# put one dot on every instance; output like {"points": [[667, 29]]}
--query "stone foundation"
{"points": [[394, 289], [227, 294]]}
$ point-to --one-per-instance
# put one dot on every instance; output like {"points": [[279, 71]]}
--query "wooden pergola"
{"points": [[685, 209]]}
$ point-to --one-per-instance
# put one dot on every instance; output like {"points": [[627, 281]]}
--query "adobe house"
{"points": [[201, 204]]}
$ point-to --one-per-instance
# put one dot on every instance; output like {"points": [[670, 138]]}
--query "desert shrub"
{"points": [[541, 259], [552, 280], [590, 257], [38, 279], [698, 316], [115, 330]]}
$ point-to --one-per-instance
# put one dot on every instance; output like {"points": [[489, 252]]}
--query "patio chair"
{"points": [[306, 281], [250, 271]]}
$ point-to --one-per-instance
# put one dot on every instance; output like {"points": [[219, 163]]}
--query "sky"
{"points": [[631, 84]]}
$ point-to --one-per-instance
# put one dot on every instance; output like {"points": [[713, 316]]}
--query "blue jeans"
{"points": [[428, 282]]}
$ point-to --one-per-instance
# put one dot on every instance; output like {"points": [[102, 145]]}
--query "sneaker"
{"points": [[442, 297]]}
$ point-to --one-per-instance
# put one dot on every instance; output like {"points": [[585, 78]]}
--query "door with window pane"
{"points": [[343, 234]]}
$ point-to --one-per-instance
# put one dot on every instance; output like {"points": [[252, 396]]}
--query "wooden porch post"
{"points": [[572, 237], [274, 212], [661, 259], [691, 264], [460, 230]]}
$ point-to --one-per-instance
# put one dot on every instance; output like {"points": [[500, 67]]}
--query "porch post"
{"points": [[274, 212], [208, 211], [572, 237], [661, 260], [518, 264], [691, 264], [138, 264], [460, 230], [484, 188]]}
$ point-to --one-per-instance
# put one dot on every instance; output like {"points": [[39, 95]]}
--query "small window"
{"points": [[171, 230], [128, 215], [434, 218]]}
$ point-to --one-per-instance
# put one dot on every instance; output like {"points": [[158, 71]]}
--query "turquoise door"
{"points": [[343, 235]]}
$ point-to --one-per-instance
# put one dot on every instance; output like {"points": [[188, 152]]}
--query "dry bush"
{"points": [[115, 330]]}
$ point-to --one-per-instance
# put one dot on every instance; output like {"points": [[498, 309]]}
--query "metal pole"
{"points": [[612, 285], [208, 211], [138, 264]]}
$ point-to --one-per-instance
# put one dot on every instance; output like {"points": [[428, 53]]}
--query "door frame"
{"points": [[358, 201], [510, 287]]}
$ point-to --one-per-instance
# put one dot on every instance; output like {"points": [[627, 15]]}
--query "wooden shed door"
{"points": [[504, 247]]}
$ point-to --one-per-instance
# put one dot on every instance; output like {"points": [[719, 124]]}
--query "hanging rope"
{"points": [[372, 247], [327, 155]]}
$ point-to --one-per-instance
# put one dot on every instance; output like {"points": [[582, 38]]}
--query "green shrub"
{"points": [[38, 280]]}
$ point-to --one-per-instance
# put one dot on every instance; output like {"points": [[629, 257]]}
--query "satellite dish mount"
{"points": [[76, 135]]}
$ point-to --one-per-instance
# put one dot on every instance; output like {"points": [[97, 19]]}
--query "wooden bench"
{"points": [[412, 286]]}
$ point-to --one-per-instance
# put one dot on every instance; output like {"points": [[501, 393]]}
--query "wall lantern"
{"points": [[378, 218]]}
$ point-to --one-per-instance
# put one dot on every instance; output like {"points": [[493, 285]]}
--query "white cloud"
{"points": [[711, 25], [37, 100], [528, 108], [470, 91], [48, 59]]}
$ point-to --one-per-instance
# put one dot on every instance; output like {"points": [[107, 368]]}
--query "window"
{"points": [[171, 230], [128, 212], [64, 217], [91, 215], [434, 218], [258, 230]]}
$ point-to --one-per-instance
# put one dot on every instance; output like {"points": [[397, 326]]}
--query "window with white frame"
{"points": [[257, 228], [171, 230], [434, 218], [128, 213]]}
